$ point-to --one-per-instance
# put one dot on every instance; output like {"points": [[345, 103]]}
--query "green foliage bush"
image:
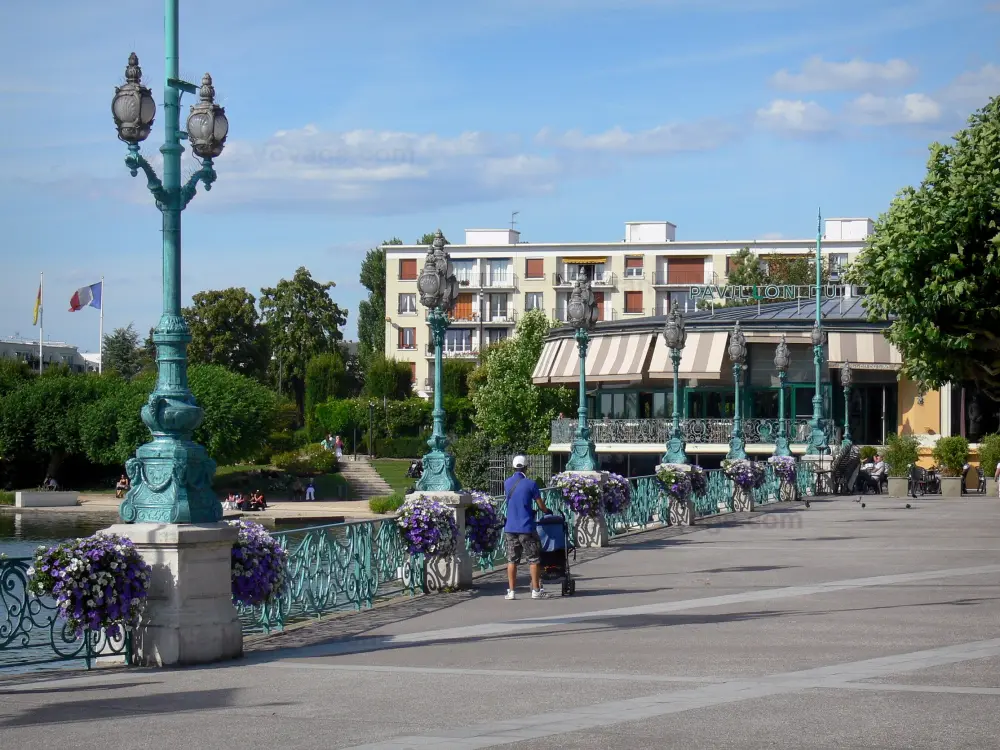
{"points": [[306, 462], [989, 454], [401, 447], [13, 374], [386, 505], [387, 378], [901, 452], [455, 377], [951, 453], [6, 498], [868, 452], [325, 379], [472, 460]]}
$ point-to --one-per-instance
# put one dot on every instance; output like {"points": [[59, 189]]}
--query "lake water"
{"points": [[21, 533]]}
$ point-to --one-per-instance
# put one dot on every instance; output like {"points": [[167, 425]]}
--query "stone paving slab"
{"points": [[832, 627]]}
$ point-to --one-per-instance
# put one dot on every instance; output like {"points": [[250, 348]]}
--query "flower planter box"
{"points": [[46, 499], [991, 488], [897, 486], [951, 486]]}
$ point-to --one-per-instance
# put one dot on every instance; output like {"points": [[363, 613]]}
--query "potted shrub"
{"points": [[989, 457], [951, 454], [901, 452], [867, 453]]}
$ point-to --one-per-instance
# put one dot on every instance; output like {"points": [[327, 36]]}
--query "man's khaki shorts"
{"points": [[528, 545]]}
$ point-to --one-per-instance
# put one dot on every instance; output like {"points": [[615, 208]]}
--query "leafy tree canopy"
{"points": [[371, 312], [428, 238], [933, 262], [302, 321], [387, 378], [749, 269], [510, 409], [226, 331], [122, 353]]}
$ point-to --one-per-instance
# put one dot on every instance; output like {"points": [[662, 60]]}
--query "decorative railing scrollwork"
{"points": [[717, 431]]}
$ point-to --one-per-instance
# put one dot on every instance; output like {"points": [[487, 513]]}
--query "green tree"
{"points": [[933, 262], [302, 321], [749, 269], [428, 238], [226, 331], [13, 374], [387, 378], [122, 353], [510, 409], [371, 312], [325, 379], [455, 377]]}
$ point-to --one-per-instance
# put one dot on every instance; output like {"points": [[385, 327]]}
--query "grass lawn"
{"points": [[244, 478], [393, 471]]}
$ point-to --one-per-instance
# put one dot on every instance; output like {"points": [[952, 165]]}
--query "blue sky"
{"points": [[355, 122]]}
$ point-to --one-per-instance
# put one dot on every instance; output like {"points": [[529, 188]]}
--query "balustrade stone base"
{"points": [[742, 500], [898, 486], [951, 486], [991, 487], [592, 531], [682, 512], [189, 617], [788, 492], [450, 572]]}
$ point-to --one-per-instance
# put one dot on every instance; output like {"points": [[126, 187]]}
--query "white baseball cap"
{"points": [[519, 462]]}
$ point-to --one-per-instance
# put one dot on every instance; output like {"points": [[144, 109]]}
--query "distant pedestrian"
{"points": [[520, 532], [310, 491], [338, 446]]}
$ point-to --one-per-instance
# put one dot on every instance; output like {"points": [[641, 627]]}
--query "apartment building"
{"points": [[54, 353], [501, 277]]}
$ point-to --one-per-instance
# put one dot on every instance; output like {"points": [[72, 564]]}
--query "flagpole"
{"points": [[41, 320], [100, 336]]}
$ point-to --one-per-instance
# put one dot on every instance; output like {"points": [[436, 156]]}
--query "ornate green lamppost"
{"points": [[738, 355], [171, 476], [845, 381], [675, 336], [817, 436], [582, 314], [438, 291], [781, 361]]}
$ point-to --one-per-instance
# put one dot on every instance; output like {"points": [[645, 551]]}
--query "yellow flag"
{"points": [[38, 305]]}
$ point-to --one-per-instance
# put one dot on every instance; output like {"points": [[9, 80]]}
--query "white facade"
{"points": [[53, 353], [500, 277]]}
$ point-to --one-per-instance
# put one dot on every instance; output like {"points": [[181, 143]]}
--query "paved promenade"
{"points": [[832, 627]]}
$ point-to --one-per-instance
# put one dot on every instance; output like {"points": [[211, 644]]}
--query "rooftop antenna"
{"points": [[513, 220]]}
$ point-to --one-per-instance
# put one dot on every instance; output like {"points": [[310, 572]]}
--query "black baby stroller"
{"points": [[556, 545]]}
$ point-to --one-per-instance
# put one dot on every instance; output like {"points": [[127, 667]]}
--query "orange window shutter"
{"points": [[463, 307]]}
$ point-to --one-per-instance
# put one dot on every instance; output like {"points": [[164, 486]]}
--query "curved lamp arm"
{"points": [[206, 175], [136, 161]]}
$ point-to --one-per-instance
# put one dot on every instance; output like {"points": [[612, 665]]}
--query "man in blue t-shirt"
{"points": [[522, 538]]}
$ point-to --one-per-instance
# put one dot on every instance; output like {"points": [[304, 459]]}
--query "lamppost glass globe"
{"points": [[207, 125], [133, 106]]}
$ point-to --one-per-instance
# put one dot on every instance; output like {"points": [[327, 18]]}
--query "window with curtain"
{"points": [[458, 340], [407, 304], [407, 338], [533, 301], [633, 267]]}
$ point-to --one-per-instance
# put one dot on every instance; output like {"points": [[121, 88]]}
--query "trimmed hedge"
{"points": [[401, 447], [309, 461], [386, 505]]}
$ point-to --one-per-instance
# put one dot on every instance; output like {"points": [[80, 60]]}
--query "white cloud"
{"points": [[663, 139], [973, 88], [854, 75], [797, 116], [911, 109]]}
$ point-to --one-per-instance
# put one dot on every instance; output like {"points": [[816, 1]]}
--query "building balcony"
{"points": [[684, 279], [452, 353], [561, 316], [498, 281], [704, 431], [602, 279], [503, 318]]}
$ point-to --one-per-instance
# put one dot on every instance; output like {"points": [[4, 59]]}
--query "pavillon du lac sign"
{"points": [[768, 291]]}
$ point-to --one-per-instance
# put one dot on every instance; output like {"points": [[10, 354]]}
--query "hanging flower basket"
{"points": [[259, 565], [676, 480], [483, 524], [784, 467], [428, 526], [745, 474], [699, 482], [581, 494], [98, 582], [617, 493]]}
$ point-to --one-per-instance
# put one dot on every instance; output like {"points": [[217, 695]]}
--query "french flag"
{"points": [[86, 295]]}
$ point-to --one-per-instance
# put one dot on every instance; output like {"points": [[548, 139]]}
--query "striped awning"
{"points": [[865, 351], [585, 261], [701, 357], [550, 352], [613, 358]]}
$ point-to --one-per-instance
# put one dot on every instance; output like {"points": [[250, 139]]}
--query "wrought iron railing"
{"points": [[694, 430], [338, 567], [32, 633]]}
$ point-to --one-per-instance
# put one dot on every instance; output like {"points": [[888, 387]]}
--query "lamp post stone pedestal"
{"points": [[171, 512], [438, 289], [592, 531], [189, 617], [675, 336]]}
